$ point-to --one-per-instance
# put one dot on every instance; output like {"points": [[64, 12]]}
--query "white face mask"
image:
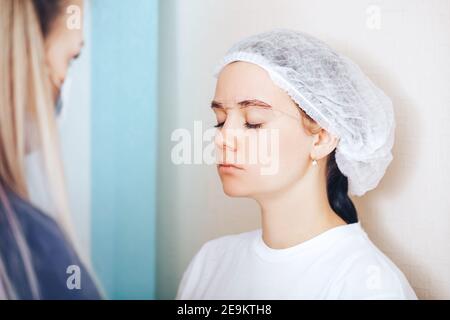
{"points": [[63, 97]]}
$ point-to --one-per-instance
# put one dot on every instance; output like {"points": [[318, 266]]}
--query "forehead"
{"points": [[71, 16], [240, 81]]}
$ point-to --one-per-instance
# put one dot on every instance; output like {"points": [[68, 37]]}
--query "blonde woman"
{"points": [[333, 132], [37, 253]]}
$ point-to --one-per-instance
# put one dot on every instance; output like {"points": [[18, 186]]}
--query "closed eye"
{"points": [[247, 125], [253, 126]]}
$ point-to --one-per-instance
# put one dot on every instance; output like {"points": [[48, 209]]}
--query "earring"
{"points": [[314, 162]]}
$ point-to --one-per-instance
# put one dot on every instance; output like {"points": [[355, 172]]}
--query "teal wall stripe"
{"points": [[124, 145]]}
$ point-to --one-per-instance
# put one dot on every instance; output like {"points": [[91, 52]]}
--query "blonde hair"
{"points": [[27, 112]]}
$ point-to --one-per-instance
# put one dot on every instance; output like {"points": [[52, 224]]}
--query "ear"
{"points": [[323, 144]]}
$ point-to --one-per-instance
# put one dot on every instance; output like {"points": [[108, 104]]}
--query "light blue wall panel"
{"points": [[123, 145]]}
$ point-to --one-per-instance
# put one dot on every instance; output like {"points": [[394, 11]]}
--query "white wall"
{"points": [[408, 215]]}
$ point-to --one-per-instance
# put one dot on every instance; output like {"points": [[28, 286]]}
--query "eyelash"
{"points": [[247, 125], [253, 126]]}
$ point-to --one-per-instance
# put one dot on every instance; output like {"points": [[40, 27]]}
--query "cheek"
{"points": [[57, 64], [294, 151], [289, 159], [287, 147], [61, 46]]}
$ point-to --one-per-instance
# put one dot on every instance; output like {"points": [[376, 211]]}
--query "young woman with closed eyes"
{"points": [[310, 244]]}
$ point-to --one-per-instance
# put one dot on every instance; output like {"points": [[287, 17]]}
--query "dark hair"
{"points": [[337, 188], [47, 11], [337, 183]]}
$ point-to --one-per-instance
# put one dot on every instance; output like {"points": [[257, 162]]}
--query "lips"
{"points": [[230, 166]]}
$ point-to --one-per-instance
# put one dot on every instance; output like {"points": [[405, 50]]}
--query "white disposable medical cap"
{"points": [[334, 92]]}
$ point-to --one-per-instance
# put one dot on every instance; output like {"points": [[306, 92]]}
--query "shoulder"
{"points": [[210, 255], [367, 273], [223, 247], [51, 252], [41, 231]]}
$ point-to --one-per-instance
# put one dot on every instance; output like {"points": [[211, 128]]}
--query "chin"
{"points": [[235, 191]]}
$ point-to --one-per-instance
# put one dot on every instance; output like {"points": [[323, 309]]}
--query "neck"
{"points": [[298, 213]]}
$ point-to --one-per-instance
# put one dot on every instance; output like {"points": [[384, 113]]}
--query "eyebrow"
{"points": [[244, 104]]}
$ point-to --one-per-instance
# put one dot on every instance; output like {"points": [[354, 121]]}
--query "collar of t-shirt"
{"points": [[314, 245]]}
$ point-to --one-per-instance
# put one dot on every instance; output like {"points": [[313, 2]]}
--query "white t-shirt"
{"points": [[340, 263]]}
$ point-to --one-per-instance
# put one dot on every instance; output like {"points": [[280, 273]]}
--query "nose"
{"points": [[226, 139]]}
